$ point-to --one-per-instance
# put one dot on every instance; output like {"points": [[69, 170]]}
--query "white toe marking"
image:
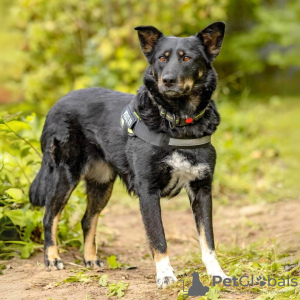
{"points": [[164, 270]]}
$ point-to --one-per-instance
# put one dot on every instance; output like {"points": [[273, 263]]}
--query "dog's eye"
{"points": [[186, 58], [162, 58]]}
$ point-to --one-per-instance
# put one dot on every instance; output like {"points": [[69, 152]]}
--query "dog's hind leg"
{"points": [[98, 193], [201, 202], [59, 188]]}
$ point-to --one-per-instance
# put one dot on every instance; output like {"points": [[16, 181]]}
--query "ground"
{"points": [[121, 233]]}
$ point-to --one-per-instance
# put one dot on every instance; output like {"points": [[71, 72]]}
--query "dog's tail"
{"points": [[38, 188]]}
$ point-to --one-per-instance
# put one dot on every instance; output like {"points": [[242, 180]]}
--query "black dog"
{"points": [[163, 146]]}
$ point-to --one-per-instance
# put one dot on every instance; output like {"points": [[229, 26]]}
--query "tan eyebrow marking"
{"points": [[181, 53], [167, 53]]}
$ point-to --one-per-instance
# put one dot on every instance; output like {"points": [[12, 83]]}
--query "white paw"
{"points": [[164, 273], [163, 281]]}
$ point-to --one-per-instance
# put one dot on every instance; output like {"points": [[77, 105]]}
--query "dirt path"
{"points": [[124, 237]]}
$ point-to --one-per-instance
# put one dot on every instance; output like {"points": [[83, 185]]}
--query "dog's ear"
{"points": [[148, 36], [212, 38]]}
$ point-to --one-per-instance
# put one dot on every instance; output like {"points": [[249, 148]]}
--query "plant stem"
{"points": [[28, 143]]}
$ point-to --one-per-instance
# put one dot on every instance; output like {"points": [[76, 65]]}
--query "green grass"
{"points": [[257, 151]]}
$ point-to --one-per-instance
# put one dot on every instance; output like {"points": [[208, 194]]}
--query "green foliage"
{"points": [[273, 40], [79, 277], [75, 45], [69, 45], [251, 155], [117, 289], [103, 280], [112, 262], [114, 289], [213, 293], [20, 158], [17, 220]]}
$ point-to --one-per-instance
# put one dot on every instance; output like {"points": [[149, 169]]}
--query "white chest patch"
{"points": [[183, 172]]}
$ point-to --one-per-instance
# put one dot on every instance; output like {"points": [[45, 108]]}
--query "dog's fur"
{"points": [[82, 139]]}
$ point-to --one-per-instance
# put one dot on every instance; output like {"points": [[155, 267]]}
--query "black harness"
{"points": [[135, 127]]}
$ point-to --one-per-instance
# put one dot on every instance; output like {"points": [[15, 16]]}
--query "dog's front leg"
{"points": [[201, 203], [151, 212]]}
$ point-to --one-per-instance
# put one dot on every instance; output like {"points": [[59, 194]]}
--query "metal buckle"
{"points": [[162, 112], [173, 122]]}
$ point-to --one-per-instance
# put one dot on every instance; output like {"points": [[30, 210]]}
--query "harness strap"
{"points": [[135, 127]]}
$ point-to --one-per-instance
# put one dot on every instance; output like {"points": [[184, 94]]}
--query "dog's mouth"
{"points": [[175, 92]]}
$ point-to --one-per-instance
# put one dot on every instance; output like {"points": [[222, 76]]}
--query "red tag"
{"points": [[189, 120]]}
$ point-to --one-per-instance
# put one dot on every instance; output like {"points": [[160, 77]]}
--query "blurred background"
{"points": [[48, 48]]}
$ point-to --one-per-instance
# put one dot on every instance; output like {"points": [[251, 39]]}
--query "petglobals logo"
{"points": [[192, 286], [252, 280]]}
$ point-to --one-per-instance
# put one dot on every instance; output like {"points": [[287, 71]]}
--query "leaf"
{"points": [[16, 216], [71, 279], [2, 267], [16, 194], [287, 291], [27, 250], [256, 265], [103, 280], [31, 117], [79, 277], [182, 295], [118, 289], [7, 256], [18, 126], [112, 262], [213, 293], [128, 267]]}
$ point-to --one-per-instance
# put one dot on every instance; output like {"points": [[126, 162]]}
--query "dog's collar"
{"points": [[135, 127], [177, 121]]}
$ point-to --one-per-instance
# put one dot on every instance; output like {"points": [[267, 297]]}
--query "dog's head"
{"points": [[181, 66]]}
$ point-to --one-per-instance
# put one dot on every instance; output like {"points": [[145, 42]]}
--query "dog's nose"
{"points": [[169, 80]]}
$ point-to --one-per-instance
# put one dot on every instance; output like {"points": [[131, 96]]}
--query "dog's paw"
{"points": [[54, 264], [164, 273], [52, 259], [165, 281], [94, 263]]}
